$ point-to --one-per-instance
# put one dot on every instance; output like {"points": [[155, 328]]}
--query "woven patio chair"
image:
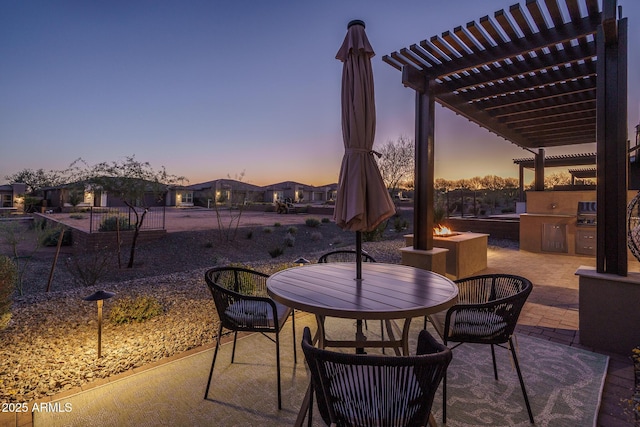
{"points": [[375, 390], [242, 303], [344, 256], [349, 256], [486, 313]]}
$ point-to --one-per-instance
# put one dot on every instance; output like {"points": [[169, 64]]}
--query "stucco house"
{"points": [[223, 190], [299, 193], [12, 196], [76, 195]]}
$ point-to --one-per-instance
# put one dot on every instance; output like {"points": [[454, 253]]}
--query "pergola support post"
{"points": [[521, 183], [611, 253], [539, 170], [424, 158]]}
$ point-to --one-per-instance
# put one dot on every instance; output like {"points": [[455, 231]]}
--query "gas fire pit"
{"points": [[442, 231]]}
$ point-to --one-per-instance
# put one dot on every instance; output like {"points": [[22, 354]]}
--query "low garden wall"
{"points": [[496, 228], [83, 241]]}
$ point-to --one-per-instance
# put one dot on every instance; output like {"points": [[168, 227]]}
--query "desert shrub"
{"points": [[249, 234], [277, 224], [127, 310], [112, 223], [267, 230], [13, 235], [325, 220], [208, 245], [289, 240], [89, 268], [312, 222], [439, 213], [51, 239], [375, 234], [316, 235], [400, 224], [76, 216], [292, 230], [8, 278], [276, 252]]}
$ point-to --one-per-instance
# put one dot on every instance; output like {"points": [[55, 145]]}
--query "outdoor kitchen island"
{"points": [[551, 223], [467, 253]]}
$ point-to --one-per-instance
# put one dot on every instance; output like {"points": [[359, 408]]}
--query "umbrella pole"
{"points": [[359, 255], [359, 335]]}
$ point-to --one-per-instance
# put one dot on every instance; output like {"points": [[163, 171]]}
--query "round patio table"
{"points": [[385, 292]]}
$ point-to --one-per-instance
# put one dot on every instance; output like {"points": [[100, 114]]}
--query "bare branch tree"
{"points": [[136, 184], [397, 162]]}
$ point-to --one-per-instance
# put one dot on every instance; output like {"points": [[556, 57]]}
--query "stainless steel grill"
{"points": [[587, 214]]}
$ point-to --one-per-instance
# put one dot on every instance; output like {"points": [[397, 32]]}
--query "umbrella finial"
{"points": [[356, 22]]}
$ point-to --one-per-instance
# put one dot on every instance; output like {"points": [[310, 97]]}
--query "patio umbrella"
{"points": [[363, 201]]}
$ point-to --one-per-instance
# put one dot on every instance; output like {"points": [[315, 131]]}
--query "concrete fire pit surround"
{"points": [[467, 252]]}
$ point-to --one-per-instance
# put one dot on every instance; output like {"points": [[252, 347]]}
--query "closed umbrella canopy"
{"points": [[363, 201]]}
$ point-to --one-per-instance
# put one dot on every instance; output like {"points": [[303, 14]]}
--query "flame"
{"points": [[441, 230]]}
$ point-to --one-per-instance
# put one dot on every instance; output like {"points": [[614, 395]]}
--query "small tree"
{"points": [[230, 203], [132, 182], [396, 162]]}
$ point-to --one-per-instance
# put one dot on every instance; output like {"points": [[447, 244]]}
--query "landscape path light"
{"points": [[302, 261], [99, 296]]}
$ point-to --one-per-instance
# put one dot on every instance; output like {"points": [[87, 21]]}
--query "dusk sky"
{"points": [[214, 88]]}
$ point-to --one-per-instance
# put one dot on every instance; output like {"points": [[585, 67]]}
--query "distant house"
{"points": [[83, 195], [12, 196], [179, 196], [299, 193], [324, 193], [224, 190]]}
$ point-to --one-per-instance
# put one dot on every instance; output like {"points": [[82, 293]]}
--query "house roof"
{"points": [[527, 74], [222, 183], [287, 185]]}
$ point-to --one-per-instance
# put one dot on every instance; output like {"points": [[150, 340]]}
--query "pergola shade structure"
{"points": [[538, 75], [582, 173], [555, 161]]}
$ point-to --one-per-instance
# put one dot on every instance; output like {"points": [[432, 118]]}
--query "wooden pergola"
{"points": [[539, 78], [582, 173], [552, 162]]}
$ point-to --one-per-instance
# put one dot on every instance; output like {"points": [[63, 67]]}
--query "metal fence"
{"points": [[124, 218]]}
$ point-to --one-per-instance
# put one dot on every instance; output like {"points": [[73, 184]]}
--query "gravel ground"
{"points": [[50, 344]]}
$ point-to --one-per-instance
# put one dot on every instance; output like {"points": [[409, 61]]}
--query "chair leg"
{"points": [[293, 325], [215, 354], [310, 420], [495, 367], [524, 391], [233, 352], [444, 398], [278, 368]]}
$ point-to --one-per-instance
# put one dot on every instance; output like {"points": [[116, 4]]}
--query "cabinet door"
{"points": [[554, 238]]}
